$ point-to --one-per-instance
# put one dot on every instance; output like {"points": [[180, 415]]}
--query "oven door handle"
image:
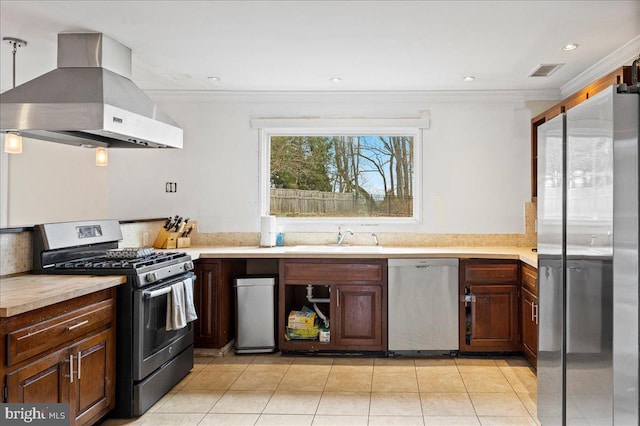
{"points": [[156, 293]]}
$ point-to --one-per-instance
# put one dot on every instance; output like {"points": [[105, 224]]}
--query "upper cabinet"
{"points": [[621, 75]]}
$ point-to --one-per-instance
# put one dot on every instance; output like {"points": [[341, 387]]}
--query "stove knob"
{"points": [[188, 266], [151, 277]]}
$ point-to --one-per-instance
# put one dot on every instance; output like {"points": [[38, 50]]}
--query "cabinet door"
{"points": [[213, 297], [493, 318], [529, 321], [46, 380], [206, 302], [92, 392], [359, 316]]}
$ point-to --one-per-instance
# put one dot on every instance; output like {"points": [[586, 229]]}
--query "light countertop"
{"points": [[27, 292], [518, 253]]}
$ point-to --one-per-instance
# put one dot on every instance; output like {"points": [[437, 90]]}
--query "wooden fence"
{"points": [[298, 202]]}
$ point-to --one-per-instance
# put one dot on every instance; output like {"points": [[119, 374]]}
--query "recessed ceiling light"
{"points": [[335, 80], [570, 46], [469, 78], [214, 78]]}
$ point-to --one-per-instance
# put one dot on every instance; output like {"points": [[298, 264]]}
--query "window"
{"points": [[362, 176]]}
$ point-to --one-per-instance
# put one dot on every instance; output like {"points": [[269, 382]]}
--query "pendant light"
{"points": [[13, 143], [13, 140], [102, 157]]}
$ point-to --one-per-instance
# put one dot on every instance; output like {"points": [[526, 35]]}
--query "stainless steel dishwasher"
{"points": [[423, 306]]}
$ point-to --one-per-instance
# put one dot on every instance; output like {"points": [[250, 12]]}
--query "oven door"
{"points": [[153, 345]]}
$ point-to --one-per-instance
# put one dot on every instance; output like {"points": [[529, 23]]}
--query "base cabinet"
{"points": [[529, 313], [489, 305], [45, 380], [76, 362], [90, 394], [359, 312], [213, 299], [356, 302]]}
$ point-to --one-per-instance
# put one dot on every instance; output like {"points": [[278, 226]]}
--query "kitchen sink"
{"points": [[333, 248]]}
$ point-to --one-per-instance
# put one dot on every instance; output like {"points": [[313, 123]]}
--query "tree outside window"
{"points": [[342, 175]]}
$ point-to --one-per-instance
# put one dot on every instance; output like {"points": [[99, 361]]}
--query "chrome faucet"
{"points": [[341, 235]]}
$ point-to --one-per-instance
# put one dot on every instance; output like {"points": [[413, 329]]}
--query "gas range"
{"points": [[145, 270], [91, 248], [151, 357]]}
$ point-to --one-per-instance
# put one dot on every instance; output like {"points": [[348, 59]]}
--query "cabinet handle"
{"points": [[80, 324], [338, 296], [533, 309], [79, 363], [70, 368]]}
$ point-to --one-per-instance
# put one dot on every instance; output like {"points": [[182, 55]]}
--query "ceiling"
{"points": [[301, 45]]}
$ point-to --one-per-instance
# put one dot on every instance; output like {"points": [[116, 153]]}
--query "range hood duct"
{"points": [[89, 100]]}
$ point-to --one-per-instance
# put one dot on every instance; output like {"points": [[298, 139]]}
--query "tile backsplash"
{"points": [[16, 247], [15, 252]]}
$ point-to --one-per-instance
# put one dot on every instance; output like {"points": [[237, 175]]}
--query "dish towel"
{"points": [[176, 316], [190, 309]]}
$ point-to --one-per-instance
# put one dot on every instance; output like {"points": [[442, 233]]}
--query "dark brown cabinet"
{"points": [[213, 298], [89, 395], [42, 381], [489, 305], [50, 379], [359, 311], [529, 313], [357, 305], [63, 353]]}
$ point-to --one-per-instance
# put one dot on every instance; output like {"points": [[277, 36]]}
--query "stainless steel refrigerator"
{"points": [[588, 234]]}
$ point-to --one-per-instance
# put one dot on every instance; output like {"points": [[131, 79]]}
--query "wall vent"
{"points": [[545, 70]]}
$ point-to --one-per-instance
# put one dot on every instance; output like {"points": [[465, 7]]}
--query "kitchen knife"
{"points": [[172, 223], [167, 223], [177, 226], [186, 233], [182, 225]]}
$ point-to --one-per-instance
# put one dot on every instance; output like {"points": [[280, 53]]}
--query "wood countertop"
{"points": [[27, 292], [519, 253]]}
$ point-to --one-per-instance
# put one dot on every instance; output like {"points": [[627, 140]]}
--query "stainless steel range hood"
{"points": [[89, 100]]}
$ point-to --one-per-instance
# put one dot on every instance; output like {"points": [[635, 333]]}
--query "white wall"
{"points": [[52, 182], [476, 159], [476, 163]]}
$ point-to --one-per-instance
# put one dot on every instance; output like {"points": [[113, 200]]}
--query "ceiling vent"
{"points": [[545, 70]]}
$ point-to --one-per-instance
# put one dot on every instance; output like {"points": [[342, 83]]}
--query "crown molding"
{"points": [[457, 96], [619, 57]]}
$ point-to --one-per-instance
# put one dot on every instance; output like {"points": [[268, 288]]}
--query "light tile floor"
{"points": [[315, 391]]}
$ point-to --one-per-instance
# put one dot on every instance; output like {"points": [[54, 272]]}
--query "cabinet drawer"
{"points": [[487, 271], [529, 278], [332, 272], [34, 339]]}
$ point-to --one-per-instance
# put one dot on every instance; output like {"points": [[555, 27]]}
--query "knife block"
{"points": [[183, 242], [166, 239]]}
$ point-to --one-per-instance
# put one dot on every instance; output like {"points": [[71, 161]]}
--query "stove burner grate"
{"points": [[106, 262]]}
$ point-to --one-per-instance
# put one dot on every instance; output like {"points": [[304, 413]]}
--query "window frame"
{"points": [[323, 224]]}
